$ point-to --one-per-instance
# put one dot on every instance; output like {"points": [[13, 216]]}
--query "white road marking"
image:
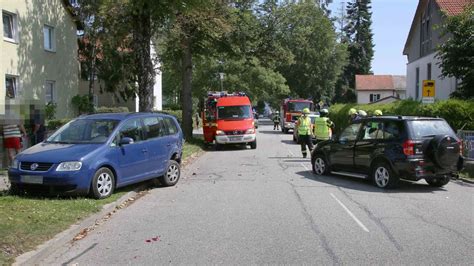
{"points": [[304, 166], [351, 214]]}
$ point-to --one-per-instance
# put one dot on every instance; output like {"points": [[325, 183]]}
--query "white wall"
{"points": [[444, 87], [363, 97]]}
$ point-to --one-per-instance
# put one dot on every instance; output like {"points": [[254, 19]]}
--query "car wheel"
{"points": [[320, 166], [437, 181], [253, 145], [171, 177], [15, 189], [383, 176], [103, 183]]}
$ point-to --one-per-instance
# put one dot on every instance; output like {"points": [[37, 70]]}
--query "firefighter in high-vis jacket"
{"points": [[305, 129], [323, 126]]}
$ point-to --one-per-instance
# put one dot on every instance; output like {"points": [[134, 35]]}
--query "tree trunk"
{"points": [[186, 91], [142, 50]]}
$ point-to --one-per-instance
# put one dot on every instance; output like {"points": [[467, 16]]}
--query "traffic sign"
{"points": [[429, 88]]}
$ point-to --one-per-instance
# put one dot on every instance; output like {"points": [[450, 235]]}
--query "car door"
{"points": [[156, 142], [341, 154], [174, 140], [132, 158], [368, 145]]}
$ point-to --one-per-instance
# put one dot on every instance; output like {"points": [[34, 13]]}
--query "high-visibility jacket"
{"points": [[322, 128], [304, 125]]}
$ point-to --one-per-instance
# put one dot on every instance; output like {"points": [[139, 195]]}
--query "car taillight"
{"points": [[409, 147]]}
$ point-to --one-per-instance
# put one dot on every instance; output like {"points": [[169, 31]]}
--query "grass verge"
{"points": [[26, 222]]}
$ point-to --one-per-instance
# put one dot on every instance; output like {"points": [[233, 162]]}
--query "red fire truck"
{"points": [[228, 119], [290, 111]]}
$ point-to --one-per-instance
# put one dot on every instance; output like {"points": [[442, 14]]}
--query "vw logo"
{"points": [[34, 166]]}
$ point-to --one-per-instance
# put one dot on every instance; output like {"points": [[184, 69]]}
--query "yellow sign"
{"points": [[429, 88]]}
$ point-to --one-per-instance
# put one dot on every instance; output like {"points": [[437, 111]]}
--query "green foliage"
{"points": [[54, 124], [318, 58], [50, 110], [103, 109], [457, 52], [359, 39], [175, 113], [82, 104], [458, 113]]}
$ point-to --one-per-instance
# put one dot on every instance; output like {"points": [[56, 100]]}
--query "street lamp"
{"points": [[221, 76]]}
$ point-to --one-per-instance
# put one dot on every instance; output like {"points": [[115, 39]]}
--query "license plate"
{"points": [[31, 179], [235, 138]]}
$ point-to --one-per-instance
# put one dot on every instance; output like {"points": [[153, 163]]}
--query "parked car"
{"points": [[96, 154], [295, 131], [388, 148]]}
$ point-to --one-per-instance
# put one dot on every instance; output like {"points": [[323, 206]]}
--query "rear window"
{"points": [[429, 128]]}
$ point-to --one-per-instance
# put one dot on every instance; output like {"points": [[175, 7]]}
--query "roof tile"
{"points": [[380, 82], [453, 7]]}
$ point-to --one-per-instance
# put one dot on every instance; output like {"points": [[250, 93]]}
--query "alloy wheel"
{"points": [[173, 173], [319, 166], [104, 184], [382, 176]]}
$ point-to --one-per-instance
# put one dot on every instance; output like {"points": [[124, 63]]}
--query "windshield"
{"points": [[234, 112], [429, 128], [298, 106], [84, 131]]}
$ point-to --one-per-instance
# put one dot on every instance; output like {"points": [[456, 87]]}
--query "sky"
{"points": [[391, 21]]}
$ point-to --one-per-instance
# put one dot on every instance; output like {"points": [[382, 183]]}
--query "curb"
{"points": [[49, 247], [467, 180]]}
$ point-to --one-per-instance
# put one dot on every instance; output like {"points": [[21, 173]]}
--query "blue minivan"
{"points": [[96, 154]]}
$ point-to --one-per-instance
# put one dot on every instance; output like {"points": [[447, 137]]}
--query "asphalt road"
{"points": [[264, 206]]}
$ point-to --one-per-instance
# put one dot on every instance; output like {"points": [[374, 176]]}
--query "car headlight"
{"points": [[14, 164], [69, 166], [220, 132], [250, 131]]}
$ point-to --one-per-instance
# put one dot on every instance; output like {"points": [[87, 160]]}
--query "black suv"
{"points": [[387, 148]]}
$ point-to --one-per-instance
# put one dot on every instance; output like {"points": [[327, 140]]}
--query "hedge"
{"points": [[458, 113], [104, 109]]}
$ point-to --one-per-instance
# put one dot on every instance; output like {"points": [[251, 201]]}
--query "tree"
{"points": [[318, 57], [359, 39], [194, 31], [457, 52]]}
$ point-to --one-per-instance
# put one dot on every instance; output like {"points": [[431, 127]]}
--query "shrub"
{"points": [[50, 110], [458, 113], [175, 113], [56, 123], [103, 109]]}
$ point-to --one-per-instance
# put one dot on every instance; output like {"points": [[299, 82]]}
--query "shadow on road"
{"points": [[289, 142], [228, 147], [353, 183], [274, 132]]}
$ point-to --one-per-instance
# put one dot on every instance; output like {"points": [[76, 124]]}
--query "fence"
{"points": [[467, 137]]}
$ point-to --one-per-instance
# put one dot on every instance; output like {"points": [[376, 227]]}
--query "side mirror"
{"points": [[126, 141]]}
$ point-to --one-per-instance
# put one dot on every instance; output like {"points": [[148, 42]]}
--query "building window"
{"points": [[49, 38], [425, 40], [428, 72], [374, 97], [11, 85], [9, 27], [49, 91], [417, 83]]}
